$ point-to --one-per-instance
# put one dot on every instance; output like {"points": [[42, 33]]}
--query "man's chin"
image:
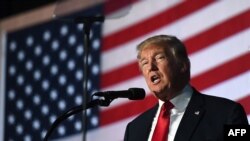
{"points": [[156, 91], [159, 94]]}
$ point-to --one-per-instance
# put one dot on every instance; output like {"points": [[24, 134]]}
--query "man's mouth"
{"points": [[155, 79]]}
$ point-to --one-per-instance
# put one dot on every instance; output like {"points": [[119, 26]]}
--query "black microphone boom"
{"points": [[131, 93]]}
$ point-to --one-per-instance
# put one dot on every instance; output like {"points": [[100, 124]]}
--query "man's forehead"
{"points": [[149, 50], [152, 50]]}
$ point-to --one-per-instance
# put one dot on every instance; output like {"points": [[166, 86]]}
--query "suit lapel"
{"points": [[145, 126], [192, 116]]}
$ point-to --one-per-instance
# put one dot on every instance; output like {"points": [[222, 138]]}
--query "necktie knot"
{"points": [[167, 106], [162, 126]]}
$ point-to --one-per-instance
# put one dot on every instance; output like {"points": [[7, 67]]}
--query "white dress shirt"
{"points": [[180, 103]]}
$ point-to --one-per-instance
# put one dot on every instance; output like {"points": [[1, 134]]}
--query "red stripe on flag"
{"points": [[245, 102], [201, 82], [120, 74], [194, 44], [219, 32], [126, 110], [153, 23], [222, 72]]}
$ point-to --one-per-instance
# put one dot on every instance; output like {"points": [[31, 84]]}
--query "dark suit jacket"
{"points": [[214, 113]]}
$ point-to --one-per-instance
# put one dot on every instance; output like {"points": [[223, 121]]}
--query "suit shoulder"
{"points": [[220, 104], [218, 100], [221, 107], [210, 99]]}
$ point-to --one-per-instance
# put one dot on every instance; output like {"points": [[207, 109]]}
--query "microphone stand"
{"points": [[75, 110], [87, 21], [104, 99]]}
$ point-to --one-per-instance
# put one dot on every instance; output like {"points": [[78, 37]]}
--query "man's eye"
{"points": [[143, 63], [160, 57]]}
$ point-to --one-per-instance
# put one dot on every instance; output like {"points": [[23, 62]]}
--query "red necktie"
{"points": [[162, 126]]}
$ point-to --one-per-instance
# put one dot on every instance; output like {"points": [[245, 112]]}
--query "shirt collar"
{"points": [[181, 101]]}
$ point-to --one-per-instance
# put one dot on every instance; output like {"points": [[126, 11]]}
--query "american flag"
{"points": [[216, 33], [44, 78]]}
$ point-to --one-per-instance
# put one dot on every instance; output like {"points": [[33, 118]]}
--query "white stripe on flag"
{"points": [[220, 52], [248, 118], [134, 82], [234, 88], [206, 18], [138, 12]]}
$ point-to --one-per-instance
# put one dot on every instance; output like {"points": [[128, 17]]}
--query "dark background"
{"points": [[12, 7]]}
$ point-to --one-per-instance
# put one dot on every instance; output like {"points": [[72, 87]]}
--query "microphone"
{"points": [[131, 93]]}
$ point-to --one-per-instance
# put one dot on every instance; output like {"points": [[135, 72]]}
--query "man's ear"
{"points": [[185, 66], [139, 68]]}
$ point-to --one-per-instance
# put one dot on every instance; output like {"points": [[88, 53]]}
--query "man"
{"points": [[182, 113]]}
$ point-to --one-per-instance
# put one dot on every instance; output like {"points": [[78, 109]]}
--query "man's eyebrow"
{"points": [[142, 59], [155, 54]]}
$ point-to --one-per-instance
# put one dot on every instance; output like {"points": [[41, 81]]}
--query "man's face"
{"points": [[153, 63]]}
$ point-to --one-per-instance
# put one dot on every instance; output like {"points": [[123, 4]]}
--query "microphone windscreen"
{"points": [[137, 93]]}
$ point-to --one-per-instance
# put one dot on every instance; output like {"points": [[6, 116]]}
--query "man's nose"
{"points": [[153, 66]]}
